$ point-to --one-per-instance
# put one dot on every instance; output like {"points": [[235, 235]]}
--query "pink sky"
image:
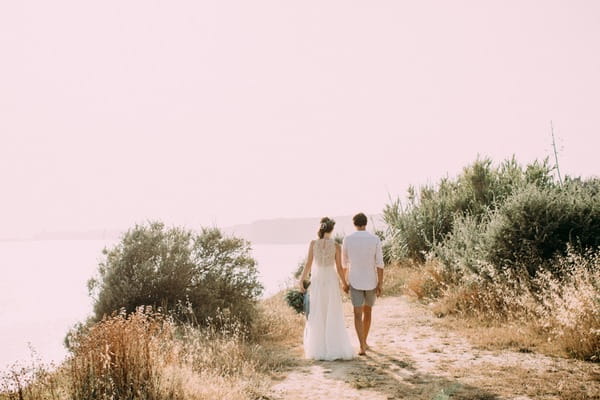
{"points": [[223, 112]]}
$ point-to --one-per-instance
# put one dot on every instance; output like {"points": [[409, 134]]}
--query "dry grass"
{"points": [[32, 380], [492, 336], [121, 357], [423, 281], [569, 310], [558, 316], [395, 277], [278, 323], [147, 356]]}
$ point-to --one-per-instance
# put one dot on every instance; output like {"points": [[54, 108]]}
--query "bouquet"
{"points": [[297, 300]]}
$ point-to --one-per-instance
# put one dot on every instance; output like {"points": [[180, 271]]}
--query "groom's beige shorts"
{"points": [[362, 297]]}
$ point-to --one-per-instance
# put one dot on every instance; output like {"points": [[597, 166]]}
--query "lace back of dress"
{"points": [[324, 252]]}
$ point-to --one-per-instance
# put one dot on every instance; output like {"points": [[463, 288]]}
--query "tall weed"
{"points": [[145, 355], [122, 357], [568, 309], [562, 308]]}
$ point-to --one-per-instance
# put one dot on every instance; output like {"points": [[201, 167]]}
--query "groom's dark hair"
{"points": [[360, 219]]}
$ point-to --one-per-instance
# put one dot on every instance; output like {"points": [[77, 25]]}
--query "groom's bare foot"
{"points": [[363, 350]]}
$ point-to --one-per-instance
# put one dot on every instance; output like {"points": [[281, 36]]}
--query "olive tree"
{"points": [[196, 277]]}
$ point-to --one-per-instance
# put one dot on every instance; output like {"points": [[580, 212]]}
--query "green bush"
{"points": [[195, 277], [531, 228], [536, 225], [430, 215], [463, 251]]}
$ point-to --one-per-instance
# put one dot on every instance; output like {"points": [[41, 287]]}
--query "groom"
{"points": [[362, 260]]}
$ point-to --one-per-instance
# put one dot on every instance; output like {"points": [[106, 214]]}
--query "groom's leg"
{"points": [[367, 308], [359, 326], [358, 300], [366, 322]]}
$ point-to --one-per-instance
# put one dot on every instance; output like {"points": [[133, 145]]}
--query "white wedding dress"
{"points": [[325, 334]]}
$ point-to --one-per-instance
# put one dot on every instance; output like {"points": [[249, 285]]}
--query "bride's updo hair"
{"points": [[327, 225]]}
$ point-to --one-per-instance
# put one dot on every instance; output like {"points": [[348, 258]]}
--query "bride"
{"points": [[325, 335]]}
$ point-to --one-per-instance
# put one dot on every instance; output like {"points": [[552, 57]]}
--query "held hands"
{"points": [[345, 287]]}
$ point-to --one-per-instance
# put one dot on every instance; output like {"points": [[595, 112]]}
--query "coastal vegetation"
{"points": [[176, 316], [191, 276], [147, 355], [504, 254], [506, 245]]}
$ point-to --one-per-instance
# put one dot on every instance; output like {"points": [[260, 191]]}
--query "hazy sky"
{"points": [[223, 112]]}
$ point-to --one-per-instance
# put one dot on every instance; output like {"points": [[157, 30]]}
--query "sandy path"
{"points": [[415, 357]]}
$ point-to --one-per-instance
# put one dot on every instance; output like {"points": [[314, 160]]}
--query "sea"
{"points": [[43, 291]]}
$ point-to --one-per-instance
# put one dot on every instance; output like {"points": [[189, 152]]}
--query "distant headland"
{"points": [[266, 231]]}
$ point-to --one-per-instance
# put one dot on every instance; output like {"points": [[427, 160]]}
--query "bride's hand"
{"points": [[301, 286]]}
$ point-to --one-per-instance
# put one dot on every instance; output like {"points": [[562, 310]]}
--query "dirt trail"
{"points": [[415, 357]]}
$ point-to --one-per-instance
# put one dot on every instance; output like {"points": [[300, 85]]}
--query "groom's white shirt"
{"points": [[362, 255]]}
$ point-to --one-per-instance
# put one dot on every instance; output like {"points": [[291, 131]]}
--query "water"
{"points": [[43, 290], [276, 264]]}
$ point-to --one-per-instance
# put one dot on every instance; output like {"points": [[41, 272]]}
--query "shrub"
{"points": [[192, 276], [463, 250], [537, 224], [299, 269], [431, 212], [532, 226]]}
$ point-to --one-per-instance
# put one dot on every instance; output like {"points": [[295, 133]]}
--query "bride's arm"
{"points": [[338, 265], [306, 269]]}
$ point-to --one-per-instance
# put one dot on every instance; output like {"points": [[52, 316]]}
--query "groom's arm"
{"points": [[379, 264], [379, 281]]}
